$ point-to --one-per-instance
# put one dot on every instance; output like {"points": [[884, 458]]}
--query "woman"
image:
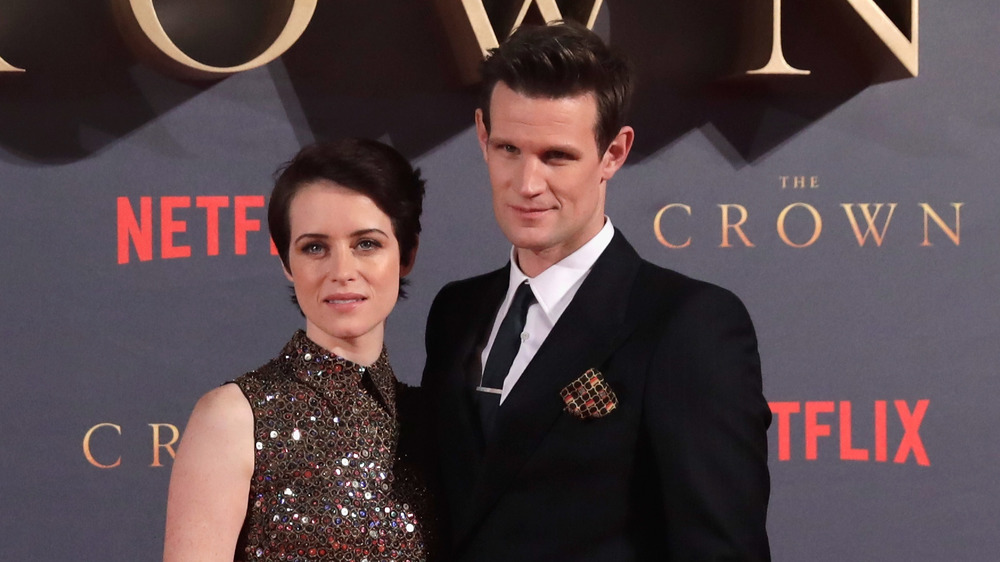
{"points": [[298, 460]]}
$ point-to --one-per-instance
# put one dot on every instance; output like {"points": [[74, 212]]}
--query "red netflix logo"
{"points": [[136, 229], [818, 418]]}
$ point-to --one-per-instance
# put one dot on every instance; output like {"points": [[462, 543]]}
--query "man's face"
{"points": [[547, 175]]}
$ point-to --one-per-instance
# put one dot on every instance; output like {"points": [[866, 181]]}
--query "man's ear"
{"points": [[617, 152], [407, 267], [484, 137]]}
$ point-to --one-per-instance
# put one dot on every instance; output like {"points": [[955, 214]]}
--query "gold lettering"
{"points": [[157, 445], [799, 182], [814, 182], [905, 50], [659, 233], [143, 29], [86, 445], [547, 8], [7, 67], [869, 220], [784, 181], [473, 34], [817, 225], [726, 226], [777, 63], [955, 235]]}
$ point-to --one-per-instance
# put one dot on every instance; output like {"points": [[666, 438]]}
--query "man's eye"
{"points": [[508, 148]]}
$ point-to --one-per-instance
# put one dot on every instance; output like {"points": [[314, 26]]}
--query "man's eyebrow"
{"points": [[563, 148], [566, 148]]}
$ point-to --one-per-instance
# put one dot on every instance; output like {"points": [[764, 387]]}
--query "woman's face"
{"points": [[343, 260]]}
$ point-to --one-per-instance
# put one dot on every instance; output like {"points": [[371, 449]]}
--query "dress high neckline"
{"points": [[315, 363]]}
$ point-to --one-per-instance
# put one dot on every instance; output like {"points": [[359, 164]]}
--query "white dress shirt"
{"points": [[554, 289]]}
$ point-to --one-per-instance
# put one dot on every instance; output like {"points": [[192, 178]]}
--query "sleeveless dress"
{"points": [[328, 482]]}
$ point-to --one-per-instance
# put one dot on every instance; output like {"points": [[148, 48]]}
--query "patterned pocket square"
{"points": [[589, 396]]}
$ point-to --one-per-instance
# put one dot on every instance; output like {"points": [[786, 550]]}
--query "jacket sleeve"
{"points": [[705, 424], [421, 413]]}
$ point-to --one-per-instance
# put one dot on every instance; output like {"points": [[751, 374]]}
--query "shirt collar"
{"points": [[552, 287]]}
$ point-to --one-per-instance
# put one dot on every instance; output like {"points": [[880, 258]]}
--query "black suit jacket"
{"points": [[677, 472]]}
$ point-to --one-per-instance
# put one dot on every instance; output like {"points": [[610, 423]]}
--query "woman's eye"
{"points": [[368, 245], [312, 248]]}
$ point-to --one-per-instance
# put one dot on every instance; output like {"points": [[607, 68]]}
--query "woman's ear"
{"points": [[406, 266]]}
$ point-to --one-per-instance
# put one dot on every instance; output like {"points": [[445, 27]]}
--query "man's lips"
{"points": [[529, 211]]}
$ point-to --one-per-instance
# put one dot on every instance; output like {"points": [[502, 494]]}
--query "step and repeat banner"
{"points": [[833, 163]]}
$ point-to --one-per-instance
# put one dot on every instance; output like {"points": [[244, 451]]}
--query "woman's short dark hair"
{"points": [[365, 166], [561, 60]]}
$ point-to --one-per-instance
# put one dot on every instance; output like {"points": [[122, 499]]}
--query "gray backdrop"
{"points": [[897, 332]]}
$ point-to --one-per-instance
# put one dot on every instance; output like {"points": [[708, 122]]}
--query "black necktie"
{"points": [[505, 347]]}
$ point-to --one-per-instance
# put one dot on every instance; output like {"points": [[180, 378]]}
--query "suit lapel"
{"points": [[592, 327], [466, 368], [478, 317], [459, 420]]}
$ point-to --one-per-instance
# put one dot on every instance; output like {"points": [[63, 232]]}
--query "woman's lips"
{"points": [[344, 301]]}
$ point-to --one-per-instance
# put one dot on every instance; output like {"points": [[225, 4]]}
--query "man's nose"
{"points": [[532, 180]]}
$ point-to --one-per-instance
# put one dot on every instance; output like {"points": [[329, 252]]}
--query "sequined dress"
{"points": [[328, 483]]}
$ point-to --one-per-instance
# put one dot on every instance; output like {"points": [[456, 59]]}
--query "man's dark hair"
{"points": [[368, 167], [560, 60]]}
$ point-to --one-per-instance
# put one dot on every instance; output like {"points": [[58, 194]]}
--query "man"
{"points": [[627, 420]]}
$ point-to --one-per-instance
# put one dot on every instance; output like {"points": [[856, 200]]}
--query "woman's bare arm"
{"points": [[210, 482]]}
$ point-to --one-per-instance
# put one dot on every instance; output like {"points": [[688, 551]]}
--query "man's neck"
{"points": [[534, 263]]}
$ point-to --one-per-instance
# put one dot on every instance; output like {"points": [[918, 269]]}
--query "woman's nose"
{"points": [[342, 266]]}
